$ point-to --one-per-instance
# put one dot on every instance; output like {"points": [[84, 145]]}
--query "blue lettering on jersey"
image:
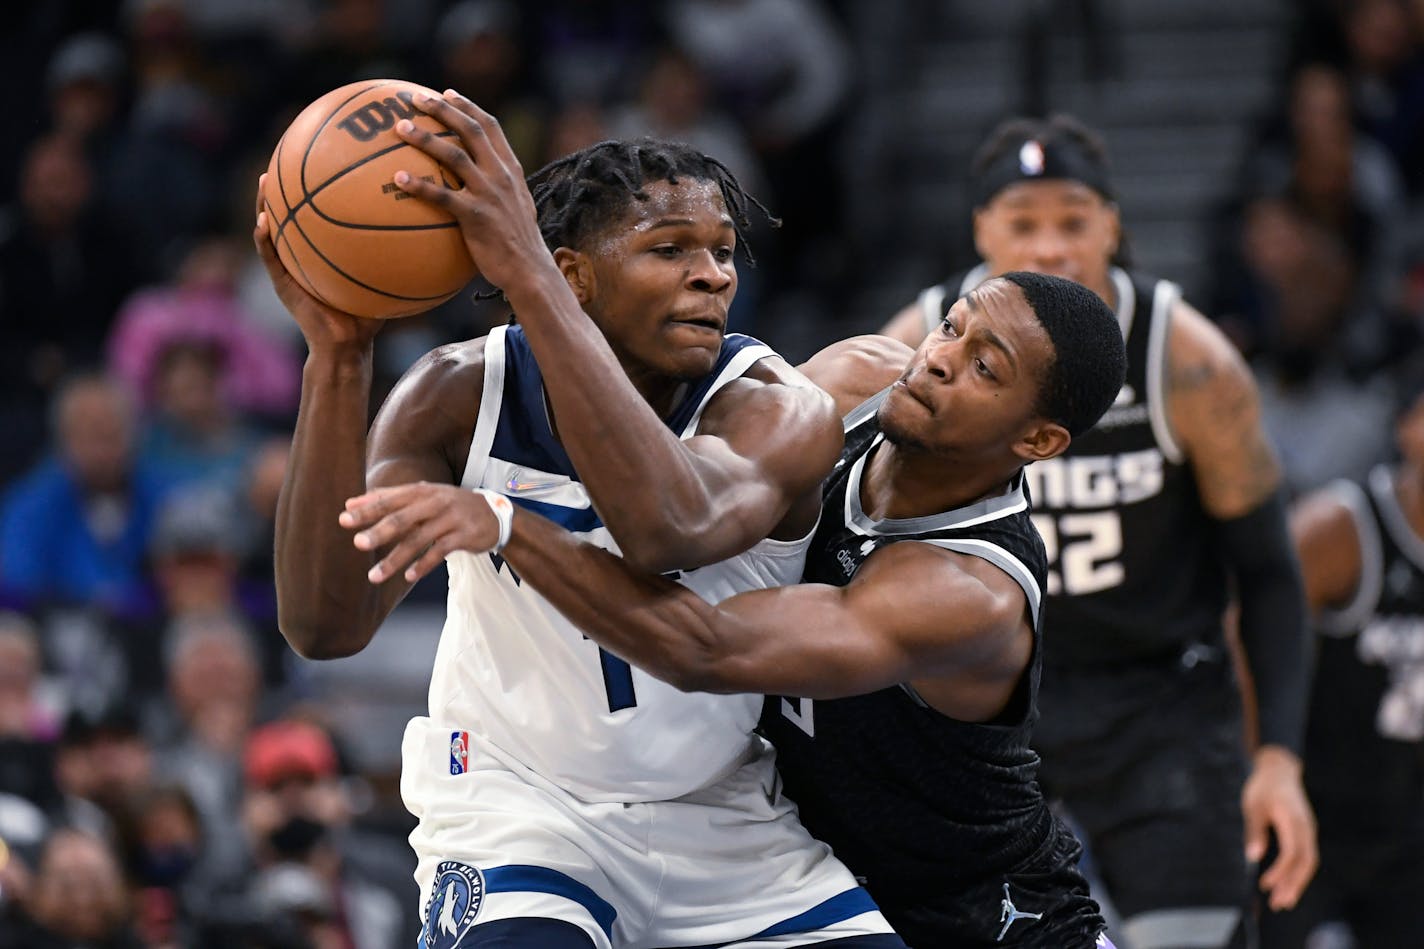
{"points": [[455, 900]]}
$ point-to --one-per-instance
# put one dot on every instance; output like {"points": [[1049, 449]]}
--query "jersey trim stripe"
{"points": [[839, 908], [1126, 299], [1011, 502], [1000, 558], [578, 520], [735, 368], [1348, 619], [524, 878], [488, 419], [1164, 299], [1395, 520], [865, 409], [931, 304]]}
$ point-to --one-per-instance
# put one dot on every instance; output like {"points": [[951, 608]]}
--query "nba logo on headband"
{"points": [[1031, 158]]}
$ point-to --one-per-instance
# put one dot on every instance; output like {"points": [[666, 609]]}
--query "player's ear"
{"points": [[578, 271], [1043, 440]]}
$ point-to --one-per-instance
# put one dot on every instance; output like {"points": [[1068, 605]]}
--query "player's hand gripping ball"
{"points": [[341, 227]]}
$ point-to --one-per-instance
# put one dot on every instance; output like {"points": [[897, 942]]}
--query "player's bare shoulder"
{"points": [[433, 407], [854, 369]]}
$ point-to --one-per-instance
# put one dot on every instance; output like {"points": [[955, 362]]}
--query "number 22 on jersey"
{"points": [[1084, 551]]}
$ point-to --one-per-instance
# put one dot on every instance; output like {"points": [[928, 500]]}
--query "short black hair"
{"points": [[1089, 357], [580, 194]]}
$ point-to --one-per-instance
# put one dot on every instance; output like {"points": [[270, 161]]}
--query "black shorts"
{"points": [[1042, 903], [1149, 761]]}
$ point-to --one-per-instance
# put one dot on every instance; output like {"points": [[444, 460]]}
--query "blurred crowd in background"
{"points": [[169, 775]]}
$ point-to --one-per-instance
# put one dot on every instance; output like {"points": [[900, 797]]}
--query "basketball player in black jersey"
{"points": [[913, 647], [1362, 553], [1148, 520]]}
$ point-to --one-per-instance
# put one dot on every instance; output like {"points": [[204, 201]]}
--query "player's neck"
{"points": [[901, 481]]}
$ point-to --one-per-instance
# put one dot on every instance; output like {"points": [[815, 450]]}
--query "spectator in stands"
{"points": [[259, 372], [204, 721], [296, 813], [77, 899], [76, 528], [63, 272]]}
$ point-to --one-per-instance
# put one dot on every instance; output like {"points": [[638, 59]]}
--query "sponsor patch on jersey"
{"points": [[455, 900], [459, 752]]}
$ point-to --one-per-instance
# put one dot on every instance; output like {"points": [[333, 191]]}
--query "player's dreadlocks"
{"points": [[580, 194]]}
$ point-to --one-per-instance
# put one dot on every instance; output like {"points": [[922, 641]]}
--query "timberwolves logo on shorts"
{"points": [[455, 899]]}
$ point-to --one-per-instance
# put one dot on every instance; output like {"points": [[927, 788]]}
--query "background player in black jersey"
{"points": [[1362, 553], [1149, 520], [916, 664]]}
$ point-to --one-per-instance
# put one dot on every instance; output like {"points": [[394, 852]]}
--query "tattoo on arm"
{"points": [[1217, 412]]}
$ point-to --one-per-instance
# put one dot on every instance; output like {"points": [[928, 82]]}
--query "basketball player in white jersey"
{"points": [[564, 799]]}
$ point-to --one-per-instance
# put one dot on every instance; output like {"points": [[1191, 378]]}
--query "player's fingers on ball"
{"points": [[445, 149], [436, 194]]}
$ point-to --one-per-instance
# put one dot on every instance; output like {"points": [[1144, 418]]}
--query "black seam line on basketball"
{"points": [[306, 155], [282, 184], [311, 195], [364, 286], [306, 277]]}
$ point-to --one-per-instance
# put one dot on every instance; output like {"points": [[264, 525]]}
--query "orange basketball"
{"points": [[341, 227]]}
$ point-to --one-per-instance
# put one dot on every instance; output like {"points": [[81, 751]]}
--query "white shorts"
{"points": [[726, 865]]}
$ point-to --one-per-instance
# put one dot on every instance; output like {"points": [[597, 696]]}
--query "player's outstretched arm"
{"points": [[913, 611], [326, 607], [767, 439], [1214, 412]]}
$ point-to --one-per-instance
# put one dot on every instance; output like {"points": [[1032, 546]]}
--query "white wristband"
{"points": [[503, 512]]}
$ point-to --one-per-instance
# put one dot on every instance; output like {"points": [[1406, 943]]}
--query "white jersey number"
{"points": [[1084, 551]]}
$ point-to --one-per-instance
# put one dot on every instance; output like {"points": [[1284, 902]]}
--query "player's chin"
{"points": [[692, 354]]}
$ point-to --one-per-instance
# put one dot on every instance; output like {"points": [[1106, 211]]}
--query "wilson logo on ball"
{"points": [[373, 118]]}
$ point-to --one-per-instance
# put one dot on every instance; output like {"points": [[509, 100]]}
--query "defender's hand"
{"points": [[424, 521]]}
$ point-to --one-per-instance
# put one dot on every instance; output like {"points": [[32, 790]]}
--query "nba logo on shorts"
{"points": [[459, 752], [455, 900]]}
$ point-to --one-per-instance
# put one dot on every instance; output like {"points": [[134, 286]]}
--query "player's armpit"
{"points": [[1214, 410]]}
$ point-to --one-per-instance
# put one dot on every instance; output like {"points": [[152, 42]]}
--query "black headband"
{"points": [[1036, 161]]}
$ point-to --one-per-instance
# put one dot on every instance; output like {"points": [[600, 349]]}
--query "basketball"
{"points": [[341, 227]]}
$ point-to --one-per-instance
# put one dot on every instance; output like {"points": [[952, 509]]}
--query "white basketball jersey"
{"points": [[513, 670]]}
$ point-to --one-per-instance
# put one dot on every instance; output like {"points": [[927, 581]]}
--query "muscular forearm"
{"points": [[1274, 631], [648, 488], [326, 607], [656, 624]]}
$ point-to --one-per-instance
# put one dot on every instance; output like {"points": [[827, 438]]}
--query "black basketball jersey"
{"points": [[1364, 748], [1133, 567], [915, 802]]}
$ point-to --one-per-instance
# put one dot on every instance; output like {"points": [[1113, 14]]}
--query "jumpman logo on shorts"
{"points": [[1009, 914]]}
